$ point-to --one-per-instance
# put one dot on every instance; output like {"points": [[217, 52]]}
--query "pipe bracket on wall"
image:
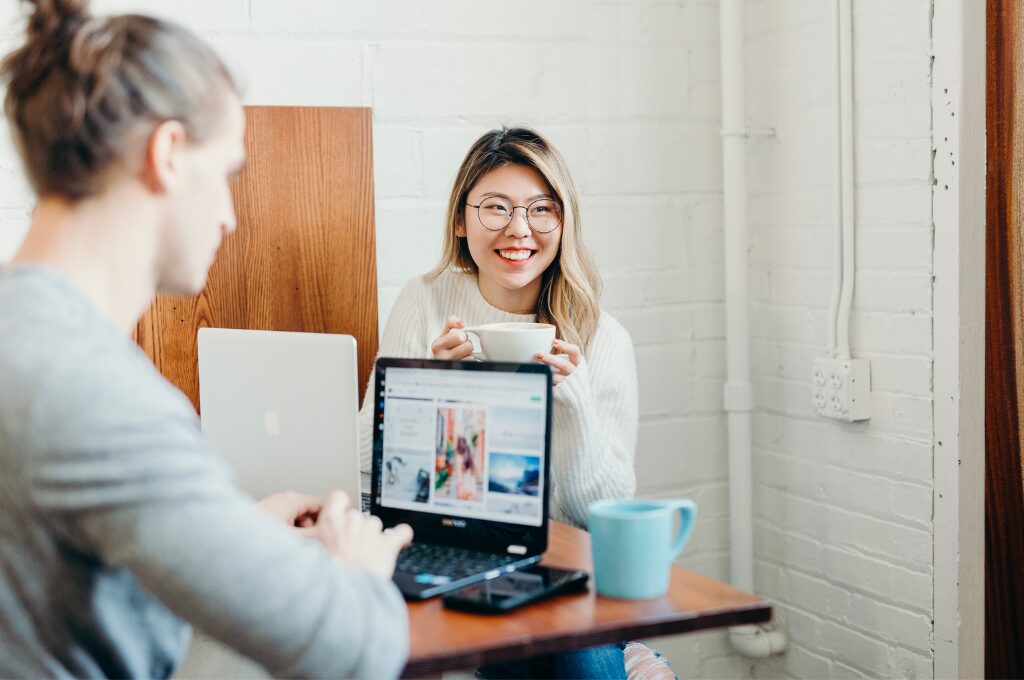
{"points": [[748, 132], [739, 396]]}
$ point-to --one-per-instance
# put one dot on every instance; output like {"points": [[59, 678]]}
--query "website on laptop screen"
{"points": [[464, 443]]}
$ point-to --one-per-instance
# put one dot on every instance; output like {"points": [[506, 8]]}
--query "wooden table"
{"points": [[443, 639]]}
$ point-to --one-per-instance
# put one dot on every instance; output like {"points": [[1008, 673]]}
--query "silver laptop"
{"points": [[281, 409]]}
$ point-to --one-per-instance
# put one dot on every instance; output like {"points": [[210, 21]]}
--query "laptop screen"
{"points": [[461, 449], [465, 443]]}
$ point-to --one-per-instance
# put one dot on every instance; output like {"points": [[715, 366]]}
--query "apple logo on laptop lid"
{"points": [[272, 422]]}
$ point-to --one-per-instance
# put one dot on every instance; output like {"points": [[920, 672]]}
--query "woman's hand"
{"points": [[562, 366], [453, 344]]}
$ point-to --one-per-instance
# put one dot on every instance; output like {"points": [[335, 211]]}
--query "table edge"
{"points": [[756, 612]]}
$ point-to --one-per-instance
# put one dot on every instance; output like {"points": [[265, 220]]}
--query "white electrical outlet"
{"points": [[841, 388]]}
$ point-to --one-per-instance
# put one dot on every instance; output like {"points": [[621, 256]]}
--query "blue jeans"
{"points": [[579, 664]]}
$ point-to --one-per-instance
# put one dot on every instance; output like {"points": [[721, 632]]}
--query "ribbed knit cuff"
{"points": [[576, 389]]}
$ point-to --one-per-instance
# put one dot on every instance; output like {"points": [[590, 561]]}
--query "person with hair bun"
{"points": [[118, 524]]}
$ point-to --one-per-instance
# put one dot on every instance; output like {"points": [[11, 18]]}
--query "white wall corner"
{"points": [[958, 202]]}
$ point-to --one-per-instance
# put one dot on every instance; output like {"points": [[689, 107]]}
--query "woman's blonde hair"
{"points": [[571, 287]]}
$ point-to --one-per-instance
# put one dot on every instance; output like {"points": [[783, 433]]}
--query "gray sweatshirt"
{"points": [[118, 523]]}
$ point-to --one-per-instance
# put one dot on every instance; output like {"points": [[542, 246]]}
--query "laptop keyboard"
{"points": [[456, 563]]}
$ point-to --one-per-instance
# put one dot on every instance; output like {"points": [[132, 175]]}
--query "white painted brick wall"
{"points": [[630, 91], [844, 511]]}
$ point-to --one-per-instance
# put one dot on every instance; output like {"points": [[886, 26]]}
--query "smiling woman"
{"points": [[513, 252], [518, 166]]}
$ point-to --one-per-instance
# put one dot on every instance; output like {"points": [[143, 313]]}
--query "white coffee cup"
{"points": [[515, 341]]}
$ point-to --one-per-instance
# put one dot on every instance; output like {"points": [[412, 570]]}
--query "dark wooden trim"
{"points": [[1004, 357]]}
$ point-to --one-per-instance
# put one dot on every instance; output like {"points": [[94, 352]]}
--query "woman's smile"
{"points": [[516, 257]]}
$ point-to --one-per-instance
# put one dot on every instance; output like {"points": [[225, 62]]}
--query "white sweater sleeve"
{"points": [[404, 336], [595, 425]]}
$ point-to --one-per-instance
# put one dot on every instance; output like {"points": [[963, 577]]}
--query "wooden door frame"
{"points": [[958, 202], [1004, 501]]}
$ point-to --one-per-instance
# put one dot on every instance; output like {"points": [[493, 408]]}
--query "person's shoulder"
{"points": [[445, 281], [113, 377], [78, 386], [610, 331], [31, 298], [62, 352], [428, 290], [44, 329], [611, 354], [426, 285], [418, 303]]}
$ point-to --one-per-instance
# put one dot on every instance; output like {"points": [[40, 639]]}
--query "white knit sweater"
{"points": [[594, 417]]}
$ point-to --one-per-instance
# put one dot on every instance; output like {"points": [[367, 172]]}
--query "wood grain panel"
{"points": [[442, 639], [303, 256], [1004, 358]]}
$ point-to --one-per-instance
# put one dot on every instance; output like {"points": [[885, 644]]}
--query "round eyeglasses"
{"points": [[543, 215]]}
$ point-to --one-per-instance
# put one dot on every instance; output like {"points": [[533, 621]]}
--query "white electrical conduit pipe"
{"points": [[753, 640], [837, 153], [844, 39]]}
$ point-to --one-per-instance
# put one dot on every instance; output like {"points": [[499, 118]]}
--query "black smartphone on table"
{"points": [[515, 589]]}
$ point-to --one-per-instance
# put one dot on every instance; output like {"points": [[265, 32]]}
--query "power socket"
{"points": [[841, 388]]}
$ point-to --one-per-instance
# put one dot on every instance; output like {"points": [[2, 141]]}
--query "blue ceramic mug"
{"points": [[633, 544]]}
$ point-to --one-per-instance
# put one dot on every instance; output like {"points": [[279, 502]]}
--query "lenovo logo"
{"points": [[457, 523]]}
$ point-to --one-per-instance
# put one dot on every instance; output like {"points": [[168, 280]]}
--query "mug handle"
{"points": [[687, 514], [473, 330]]}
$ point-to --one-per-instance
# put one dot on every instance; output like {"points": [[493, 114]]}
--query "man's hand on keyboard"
{"points": [[358, 540], [293, 508]]}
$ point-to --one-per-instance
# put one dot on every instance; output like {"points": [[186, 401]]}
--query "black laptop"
{"points": [[461, 452]]}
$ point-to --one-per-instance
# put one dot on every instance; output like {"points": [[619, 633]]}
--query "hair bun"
{"points": [[56, 16]]}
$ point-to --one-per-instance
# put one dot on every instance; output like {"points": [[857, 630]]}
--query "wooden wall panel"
{"points": [[303, 256], [1004, 357]]}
